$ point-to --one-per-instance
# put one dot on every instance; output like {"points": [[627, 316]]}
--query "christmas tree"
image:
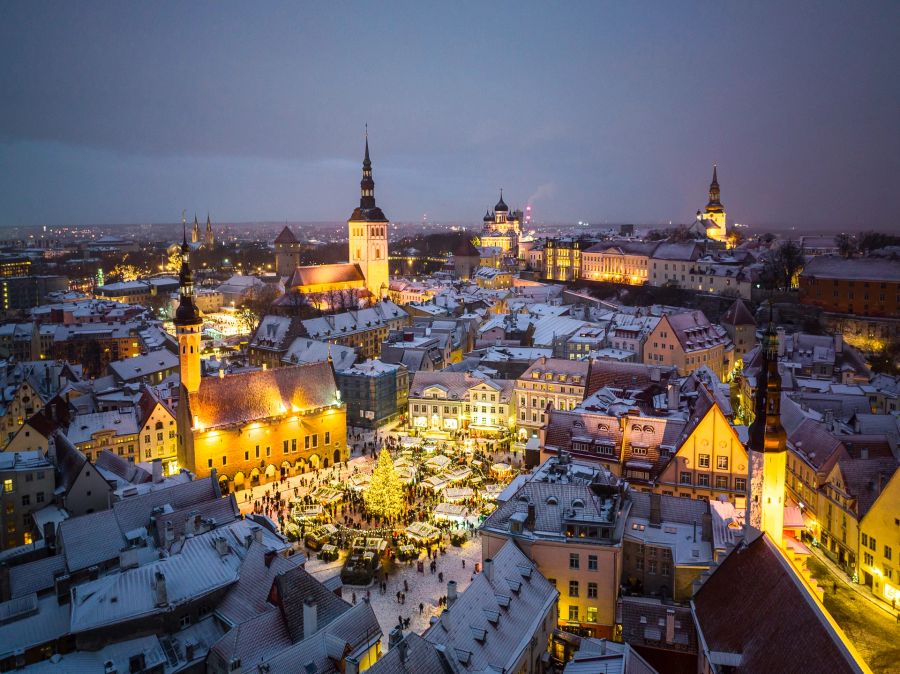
{"points": [[384, 497]]}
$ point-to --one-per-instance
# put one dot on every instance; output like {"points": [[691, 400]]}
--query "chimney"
{"points": [[395, 637], [257, 534], [655, 510], [169, 533], [838, 342], [602, 646], [5, 587], [351, 665], [269, 556], [50, 536], [529, 522], [310, 618], [109, 667], [489, 568], [403, 648], [670, 626], [222, 546], [673, 397], [157, 471], [451, 588], [162, 598]]}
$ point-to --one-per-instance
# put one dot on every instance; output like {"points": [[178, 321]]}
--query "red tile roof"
{"points": [[756, 608]]}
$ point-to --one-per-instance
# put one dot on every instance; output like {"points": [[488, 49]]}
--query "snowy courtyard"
{"points": [[424, 588]]}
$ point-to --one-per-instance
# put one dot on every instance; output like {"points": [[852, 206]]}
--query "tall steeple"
{"points": [[188, 321], [209, 238], [367, 184], [714, 196], [195, 231], [768, 444]]}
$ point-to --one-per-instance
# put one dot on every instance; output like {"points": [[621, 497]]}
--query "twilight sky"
{"points": [[115, 112]]}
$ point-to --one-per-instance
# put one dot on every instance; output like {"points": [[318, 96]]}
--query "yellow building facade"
{"points": [[711, 462], [879, 544]]}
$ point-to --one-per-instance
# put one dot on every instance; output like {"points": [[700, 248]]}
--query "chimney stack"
{"points": [[529, 522], [451, 589], [310, 618], [221, 545], [489, 568], [162, 598], [157, 471], [670, 626], [673, 397], [655, 510], [169, 533], [258, 534]]}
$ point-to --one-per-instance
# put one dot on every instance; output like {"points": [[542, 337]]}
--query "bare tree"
{"points": [[846, 244]]}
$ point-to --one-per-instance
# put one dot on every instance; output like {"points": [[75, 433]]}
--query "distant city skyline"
{"points": [[127, 113]]}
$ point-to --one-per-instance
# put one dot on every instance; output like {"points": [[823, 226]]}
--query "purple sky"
{"points": [[601, 111]]}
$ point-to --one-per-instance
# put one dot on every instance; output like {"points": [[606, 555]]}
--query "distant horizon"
{"points": [[128, 112]]}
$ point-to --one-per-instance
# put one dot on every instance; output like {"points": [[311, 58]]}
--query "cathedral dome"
{"points": [[501, 205]]}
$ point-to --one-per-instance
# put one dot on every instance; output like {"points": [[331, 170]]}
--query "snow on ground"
{"points": [[423, 587]]}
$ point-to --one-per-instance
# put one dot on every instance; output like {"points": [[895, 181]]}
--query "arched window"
{"points": [[551, 500], [636, 428], [578, 503], [159, 425], [648, 429]]}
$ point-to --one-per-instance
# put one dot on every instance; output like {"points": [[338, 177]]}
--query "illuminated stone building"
{"points": [[368, 254], [502, 228], [713, 216], [768, 447], [253, 426], [618, 262]]}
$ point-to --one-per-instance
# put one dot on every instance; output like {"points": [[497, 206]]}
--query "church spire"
{"points": [[367, 184], [714, 196], [187, 312]]}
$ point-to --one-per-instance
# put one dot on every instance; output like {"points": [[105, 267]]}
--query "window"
{"points": [[592, 590], [740, 484], [868, 559], [224, 460], [887, 552], [873, 546], [865, 539], [666, 568], [574, 562], [722, 462], [592, 562], [293, 445], [40, 497], [703, 480], [185, 621], [7, 486], [592, 614], [209, 463], [703, 461], [284, 446], [26, 499], [315, 440], [573, 588], [327, 437], [573, 613], [721, 482], [651, 566], [685, 477]]}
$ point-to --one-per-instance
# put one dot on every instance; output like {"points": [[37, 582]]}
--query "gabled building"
{"points": [[504, 619], [687, 341]]}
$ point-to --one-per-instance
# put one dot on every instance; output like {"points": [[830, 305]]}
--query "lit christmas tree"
{"points": [[384, 497]]}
